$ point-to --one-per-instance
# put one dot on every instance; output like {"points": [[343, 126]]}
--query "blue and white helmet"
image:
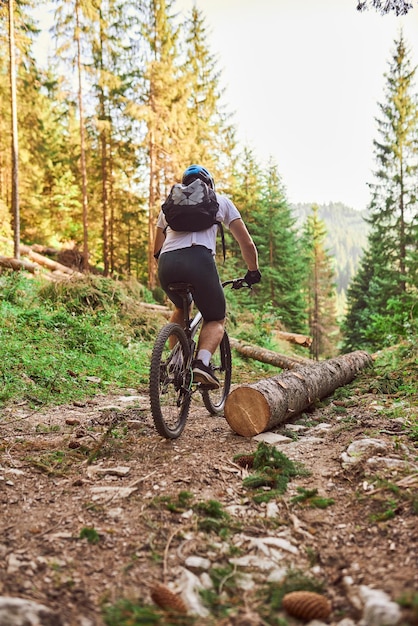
{"points": [[198, 171]]}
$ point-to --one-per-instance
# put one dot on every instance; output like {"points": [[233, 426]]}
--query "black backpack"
{"points": [[191, 208]]}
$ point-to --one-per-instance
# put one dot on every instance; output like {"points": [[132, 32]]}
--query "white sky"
{"points": [[303, 78]]}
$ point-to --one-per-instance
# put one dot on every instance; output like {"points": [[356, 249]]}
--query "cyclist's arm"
{"points": [[245, 242], [159, 240]]}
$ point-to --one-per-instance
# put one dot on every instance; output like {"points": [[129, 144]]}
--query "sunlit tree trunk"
{"points": [[15, 149], [111, 223], [104, 160], [151, 215], [82, 146]]}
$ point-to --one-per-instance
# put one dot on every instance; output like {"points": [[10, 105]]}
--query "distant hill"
{"points": [[346, 239]]}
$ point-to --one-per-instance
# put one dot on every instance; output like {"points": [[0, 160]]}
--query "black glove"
{"points": [[252, 277]]}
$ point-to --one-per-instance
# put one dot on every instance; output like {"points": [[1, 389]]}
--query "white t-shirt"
{"points": [[175, 240]]}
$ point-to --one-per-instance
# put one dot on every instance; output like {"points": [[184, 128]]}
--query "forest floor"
{"points": [[96, 507]]}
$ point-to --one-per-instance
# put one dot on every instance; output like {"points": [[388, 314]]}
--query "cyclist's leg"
{"points": [[209, 340], [210, 336], [210, 300], [176, 317]]}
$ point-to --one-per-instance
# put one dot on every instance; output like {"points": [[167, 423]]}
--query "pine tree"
{"points": [[164, 99], [356, 325], [17, 40], [320, 289], [280, 260], [391, 293], [399, 7], [74, 20], [206, 123]]}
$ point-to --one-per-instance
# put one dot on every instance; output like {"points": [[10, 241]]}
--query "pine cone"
{"points": [[245, 460], [306, 605], [163, 597]]}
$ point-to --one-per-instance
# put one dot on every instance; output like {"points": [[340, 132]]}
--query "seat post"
{"points": [[186, 317]]}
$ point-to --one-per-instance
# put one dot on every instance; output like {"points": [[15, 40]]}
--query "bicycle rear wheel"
{"points": [[214, 399], [170, 381]]}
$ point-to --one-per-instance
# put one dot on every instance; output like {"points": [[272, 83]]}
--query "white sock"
{"points": [[204, 356]]}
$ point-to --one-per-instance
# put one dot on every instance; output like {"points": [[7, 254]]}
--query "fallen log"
{"points": [[268, 356], [160, 308], [253, 409], [46, 262], [16, 264], [300, 340]]}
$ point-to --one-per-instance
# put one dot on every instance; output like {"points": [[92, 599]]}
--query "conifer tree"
{"points": [[11, 22], [399, 7], [390, 291], [164, 99], [320, 289], [204, 119], [49, 194], [280, 260], [243, 184], [74, 19], [356, 324], [107, 72]]}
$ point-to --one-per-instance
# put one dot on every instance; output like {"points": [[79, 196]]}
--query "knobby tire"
{"points": [[170, 382]]}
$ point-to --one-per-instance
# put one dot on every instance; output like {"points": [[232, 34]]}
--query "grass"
{"points": [[70, 340], [272, 471], [59, 344], [310, 498], [90, 534]]}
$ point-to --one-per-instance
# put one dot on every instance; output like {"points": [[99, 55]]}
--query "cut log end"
{"points": [[252, 409], [247, 411]]}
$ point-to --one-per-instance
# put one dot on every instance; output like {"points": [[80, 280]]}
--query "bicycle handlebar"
{"points": [[237, 283]]}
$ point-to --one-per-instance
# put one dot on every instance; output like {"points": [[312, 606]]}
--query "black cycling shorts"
{"points": [[194, 265]]}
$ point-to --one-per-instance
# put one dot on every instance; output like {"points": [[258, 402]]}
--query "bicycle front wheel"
{"points": [[214, 399], [170, 381]]}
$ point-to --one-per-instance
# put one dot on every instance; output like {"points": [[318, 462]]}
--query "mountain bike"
{"points": [[171, 385]]}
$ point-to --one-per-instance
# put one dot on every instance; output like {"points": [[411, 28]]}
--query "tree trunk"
{"points": [[268, 356], [252, 409], [83, 165], [151, 215], [45, 262], [104, 131], [15, 149]]}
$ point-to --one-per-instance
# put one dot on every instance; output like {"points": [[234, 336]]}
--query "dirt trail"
{"points": [[100, 470]]}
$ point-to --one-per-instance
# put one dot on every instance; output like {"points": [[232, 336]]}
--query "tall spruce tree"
{"points": [[209, 136], [273, 228], [74, 20], [164, 98], [202, 78], [243, 184], [320, 289], [15, 30], [390, 291], [114, 73]]}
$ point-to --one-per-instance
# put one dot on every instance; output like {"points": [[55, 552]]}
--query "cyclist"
{"points": [[189, 257]]}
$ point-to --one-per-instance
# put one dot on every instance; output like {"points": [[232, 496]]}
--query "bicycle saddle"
{"points": [[181, 287]]}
